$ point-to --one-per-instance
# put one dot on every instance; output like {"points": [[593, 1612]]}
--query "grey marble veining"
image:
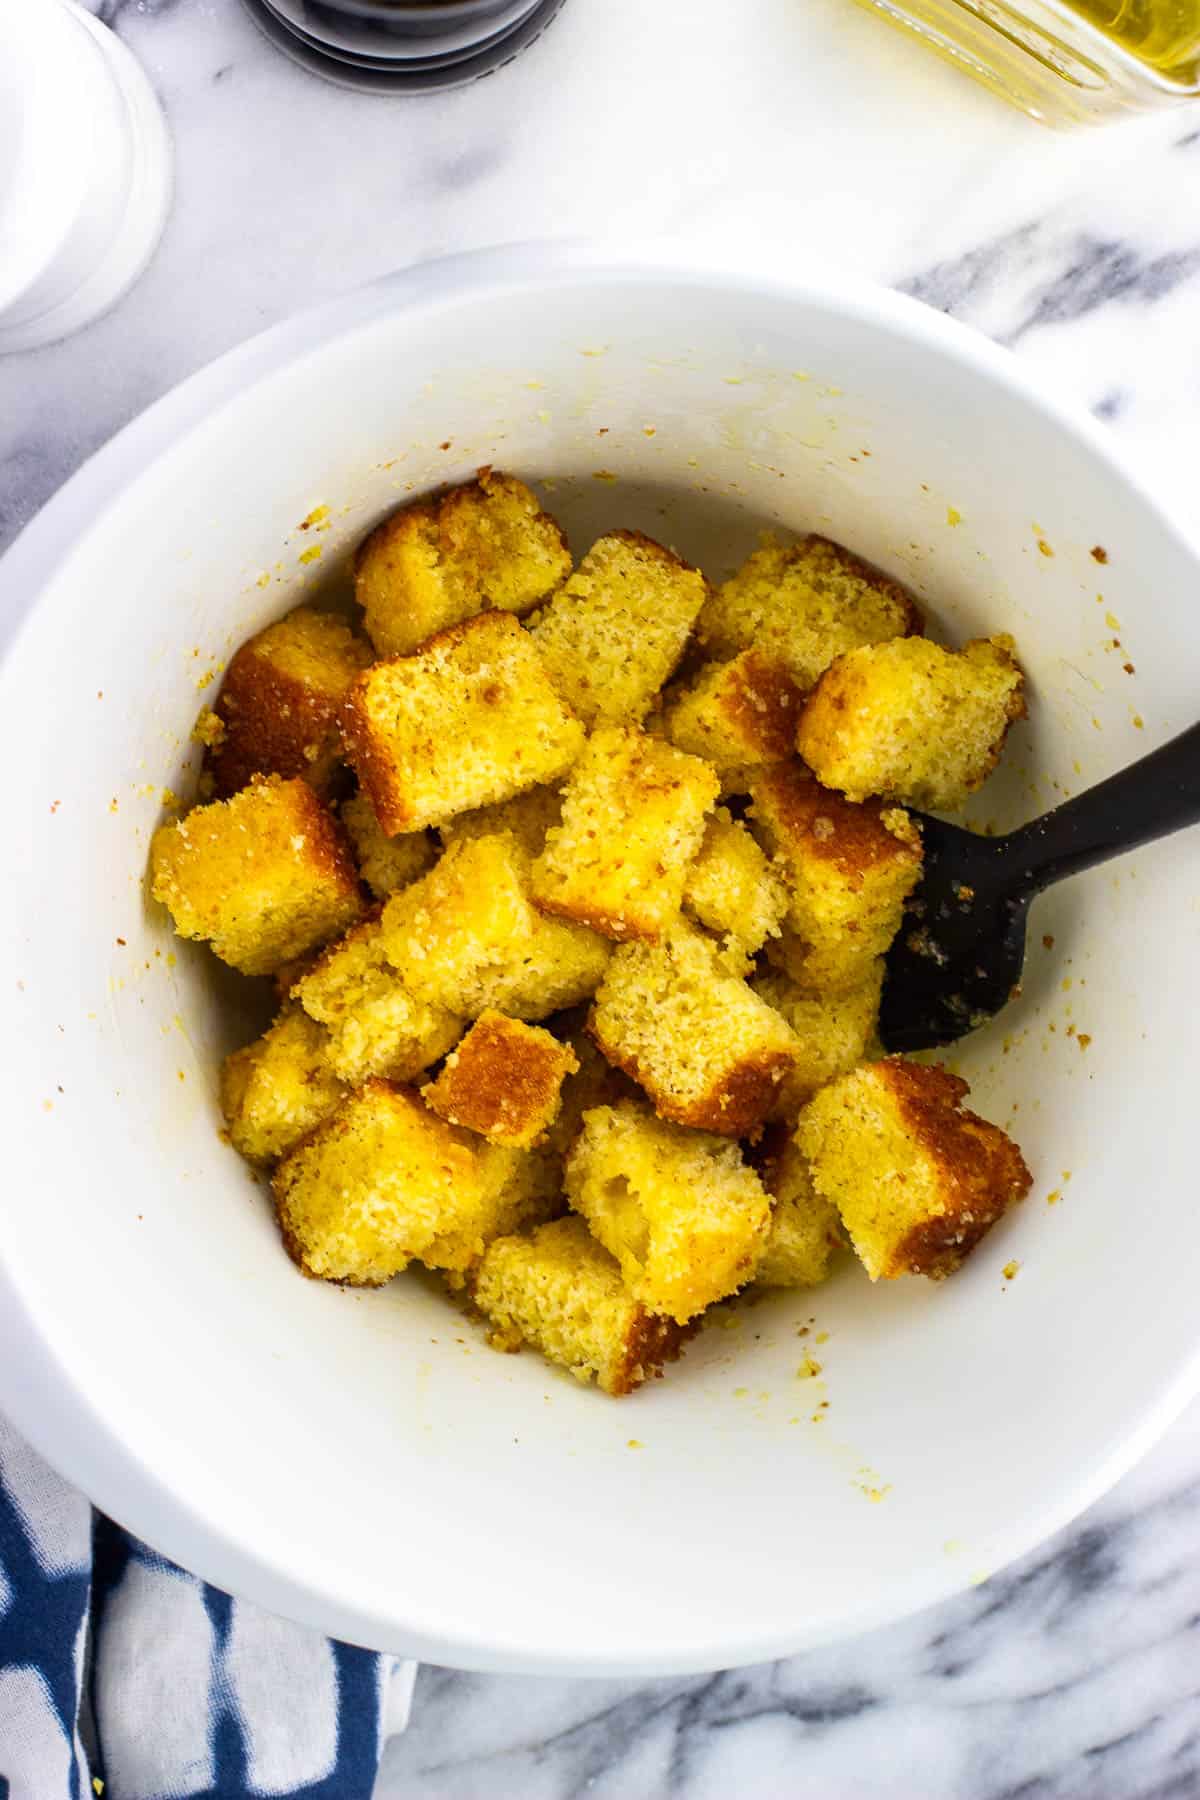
{"points": [[805, 130]]}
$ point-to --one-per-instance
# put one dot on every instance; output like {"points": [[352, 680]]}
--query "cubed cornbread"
{"points": [[805, 603], [385, 863], [614, 632], [486, 544], [594, 1083], [733, 888], [277, 1089], [374, 1185], [467, 936], [706, 1049], [279, 702], [632, 819], [528, 816], [805, 1232], [504, 1080], [514, 1191], [736, 714], [264, 876], [835, 1031], [848, 868], [683, 1214], [912, 722], [916, 1178], [375, 1025], [469, 719], [561, 1291]]}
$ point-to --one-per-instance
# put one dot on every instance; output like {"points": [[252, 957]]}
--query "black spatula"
{"points": [[959, 953]]}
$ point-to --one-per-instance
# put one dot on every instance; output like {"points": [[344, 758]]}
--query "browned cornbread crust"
{"points": [[651, 1342], [984, 1170], [736, 713], [503, 1081], [279, 709]]}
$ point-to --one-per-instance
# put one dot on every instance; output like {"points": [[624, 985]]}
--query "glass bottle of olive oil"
{"points": [[1064, 61]]}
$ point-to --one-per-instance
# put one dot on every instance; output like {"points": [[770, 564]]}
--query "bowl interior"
{"points": [[364, 1461]]}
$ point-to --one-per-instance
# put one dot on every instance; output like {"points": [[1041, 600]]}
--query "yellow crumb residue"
{"points": [[635, 1444], [311, 554], [809, 1369], [953, 516], [1010, 1269], [264, 579], [1053, 1197], [319, 516], [603, 475]]}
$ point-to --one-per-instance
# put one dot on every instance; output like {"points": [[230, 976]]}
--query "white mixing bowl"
{"points": [[362, 1461]]}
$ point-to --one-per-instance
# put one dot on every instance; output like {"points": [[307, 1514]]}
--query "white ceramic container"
{"points": [[362, 1461]]}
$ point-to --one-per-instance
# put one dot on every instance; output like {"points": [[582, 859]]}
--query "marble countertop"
{"points": [[812, 131]]}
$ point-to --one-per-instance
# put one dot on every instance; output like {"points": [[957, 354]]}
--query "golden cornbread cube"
{"points": [[848, 868], [375, 1026], [385, 863], [733, 888], [680, 1210], [438, 561], [467, 936], [274, 1091], [805, 1232], [561, 1292], [264, 876], [835, 1031], [614, 632], [528, 816], [705, 1048], [469, 719], [916, 1178], [912, 722], [632, 820], [514, 1191], [279, 702], [805, 603], [373, 1186], [504, 1080], [736, 714]]}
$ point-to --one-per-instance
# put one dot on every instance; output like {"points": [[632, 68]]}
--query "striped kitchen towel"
{"points": [[123, 1675]]}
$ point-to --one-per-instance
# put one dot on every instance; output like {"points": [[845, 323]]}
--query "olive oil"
{"points": [[1064, 61], [1164, 34]]}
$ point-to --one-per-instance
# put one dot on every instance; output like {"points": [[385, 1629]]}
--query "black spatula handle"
{"points": [[1150, 799]]}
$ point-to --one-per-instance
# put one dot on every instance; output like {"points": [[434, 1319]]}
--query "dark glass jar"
{"points": [[399, 46]]}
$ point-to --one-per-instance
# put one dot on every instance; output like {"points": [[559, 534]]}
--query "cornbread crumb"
{"points": [[560, 1291], [385, 863], [805, 603], [916, 1178], [614, 632], [835, 1031], [680, 1210], [632, 819], [737, 714], [467, 936], [514, 1190], [435, 563], [277, 1089], [733, 889], [504, 1080], [705, 1048], [373, 1186], [376, 1027], [467, 720], [848, 868], [911, 722], [264, 876], [805, 1232], [278, 704], [528, 816]]}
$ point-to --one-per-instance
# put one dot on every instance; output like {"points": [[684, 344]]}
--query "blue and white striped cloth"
{"points": [[122, 1675]]}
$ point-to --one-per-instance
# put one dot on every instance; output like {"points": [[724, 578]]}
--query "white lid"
{"points": [[85, 171]]}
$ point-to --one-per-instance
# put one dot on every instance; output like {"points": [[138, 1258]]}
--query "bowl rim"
{"points": [[39, 1393]]}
